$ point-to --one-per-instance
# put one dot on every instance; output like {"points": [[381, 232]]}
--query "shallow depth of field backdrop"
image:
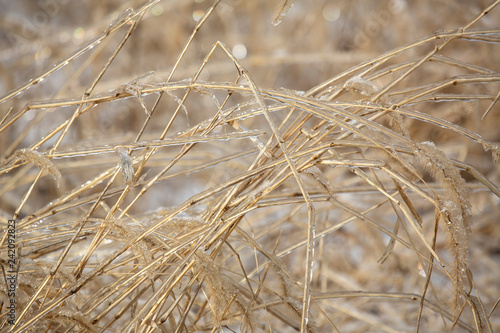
{"points": [[249, 166]]}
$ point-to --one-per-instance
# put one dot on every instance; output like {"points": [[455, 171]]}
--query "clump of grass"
{"points": [[456, 212], [34, 157], [203, 197]]}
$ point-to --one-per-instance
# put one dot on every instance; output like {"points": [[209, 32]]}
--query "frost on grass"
{"points": [[126, 165], [455, 210], [126, 232], [320, 178], [329, 125], [282, 10], [362, 86], [134, 88], [73, 318], [38, 159], [293, 306], [223, 296], [181, 104]]}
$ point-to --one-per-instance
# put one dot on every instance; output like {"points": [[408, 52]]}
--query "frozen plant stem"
{"points": [[311, 224]]}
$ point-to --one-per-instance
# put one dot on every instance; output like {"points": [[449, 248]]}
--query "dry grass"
{"points": [[325, 167]]}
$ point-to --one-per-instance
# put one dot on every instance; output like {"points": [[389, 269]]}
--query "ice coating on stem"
{"points": [[126, 165]]}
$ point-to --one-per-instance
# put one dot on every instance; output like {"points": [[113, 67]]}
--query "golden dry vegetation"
{"points": [[249, 166]]}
